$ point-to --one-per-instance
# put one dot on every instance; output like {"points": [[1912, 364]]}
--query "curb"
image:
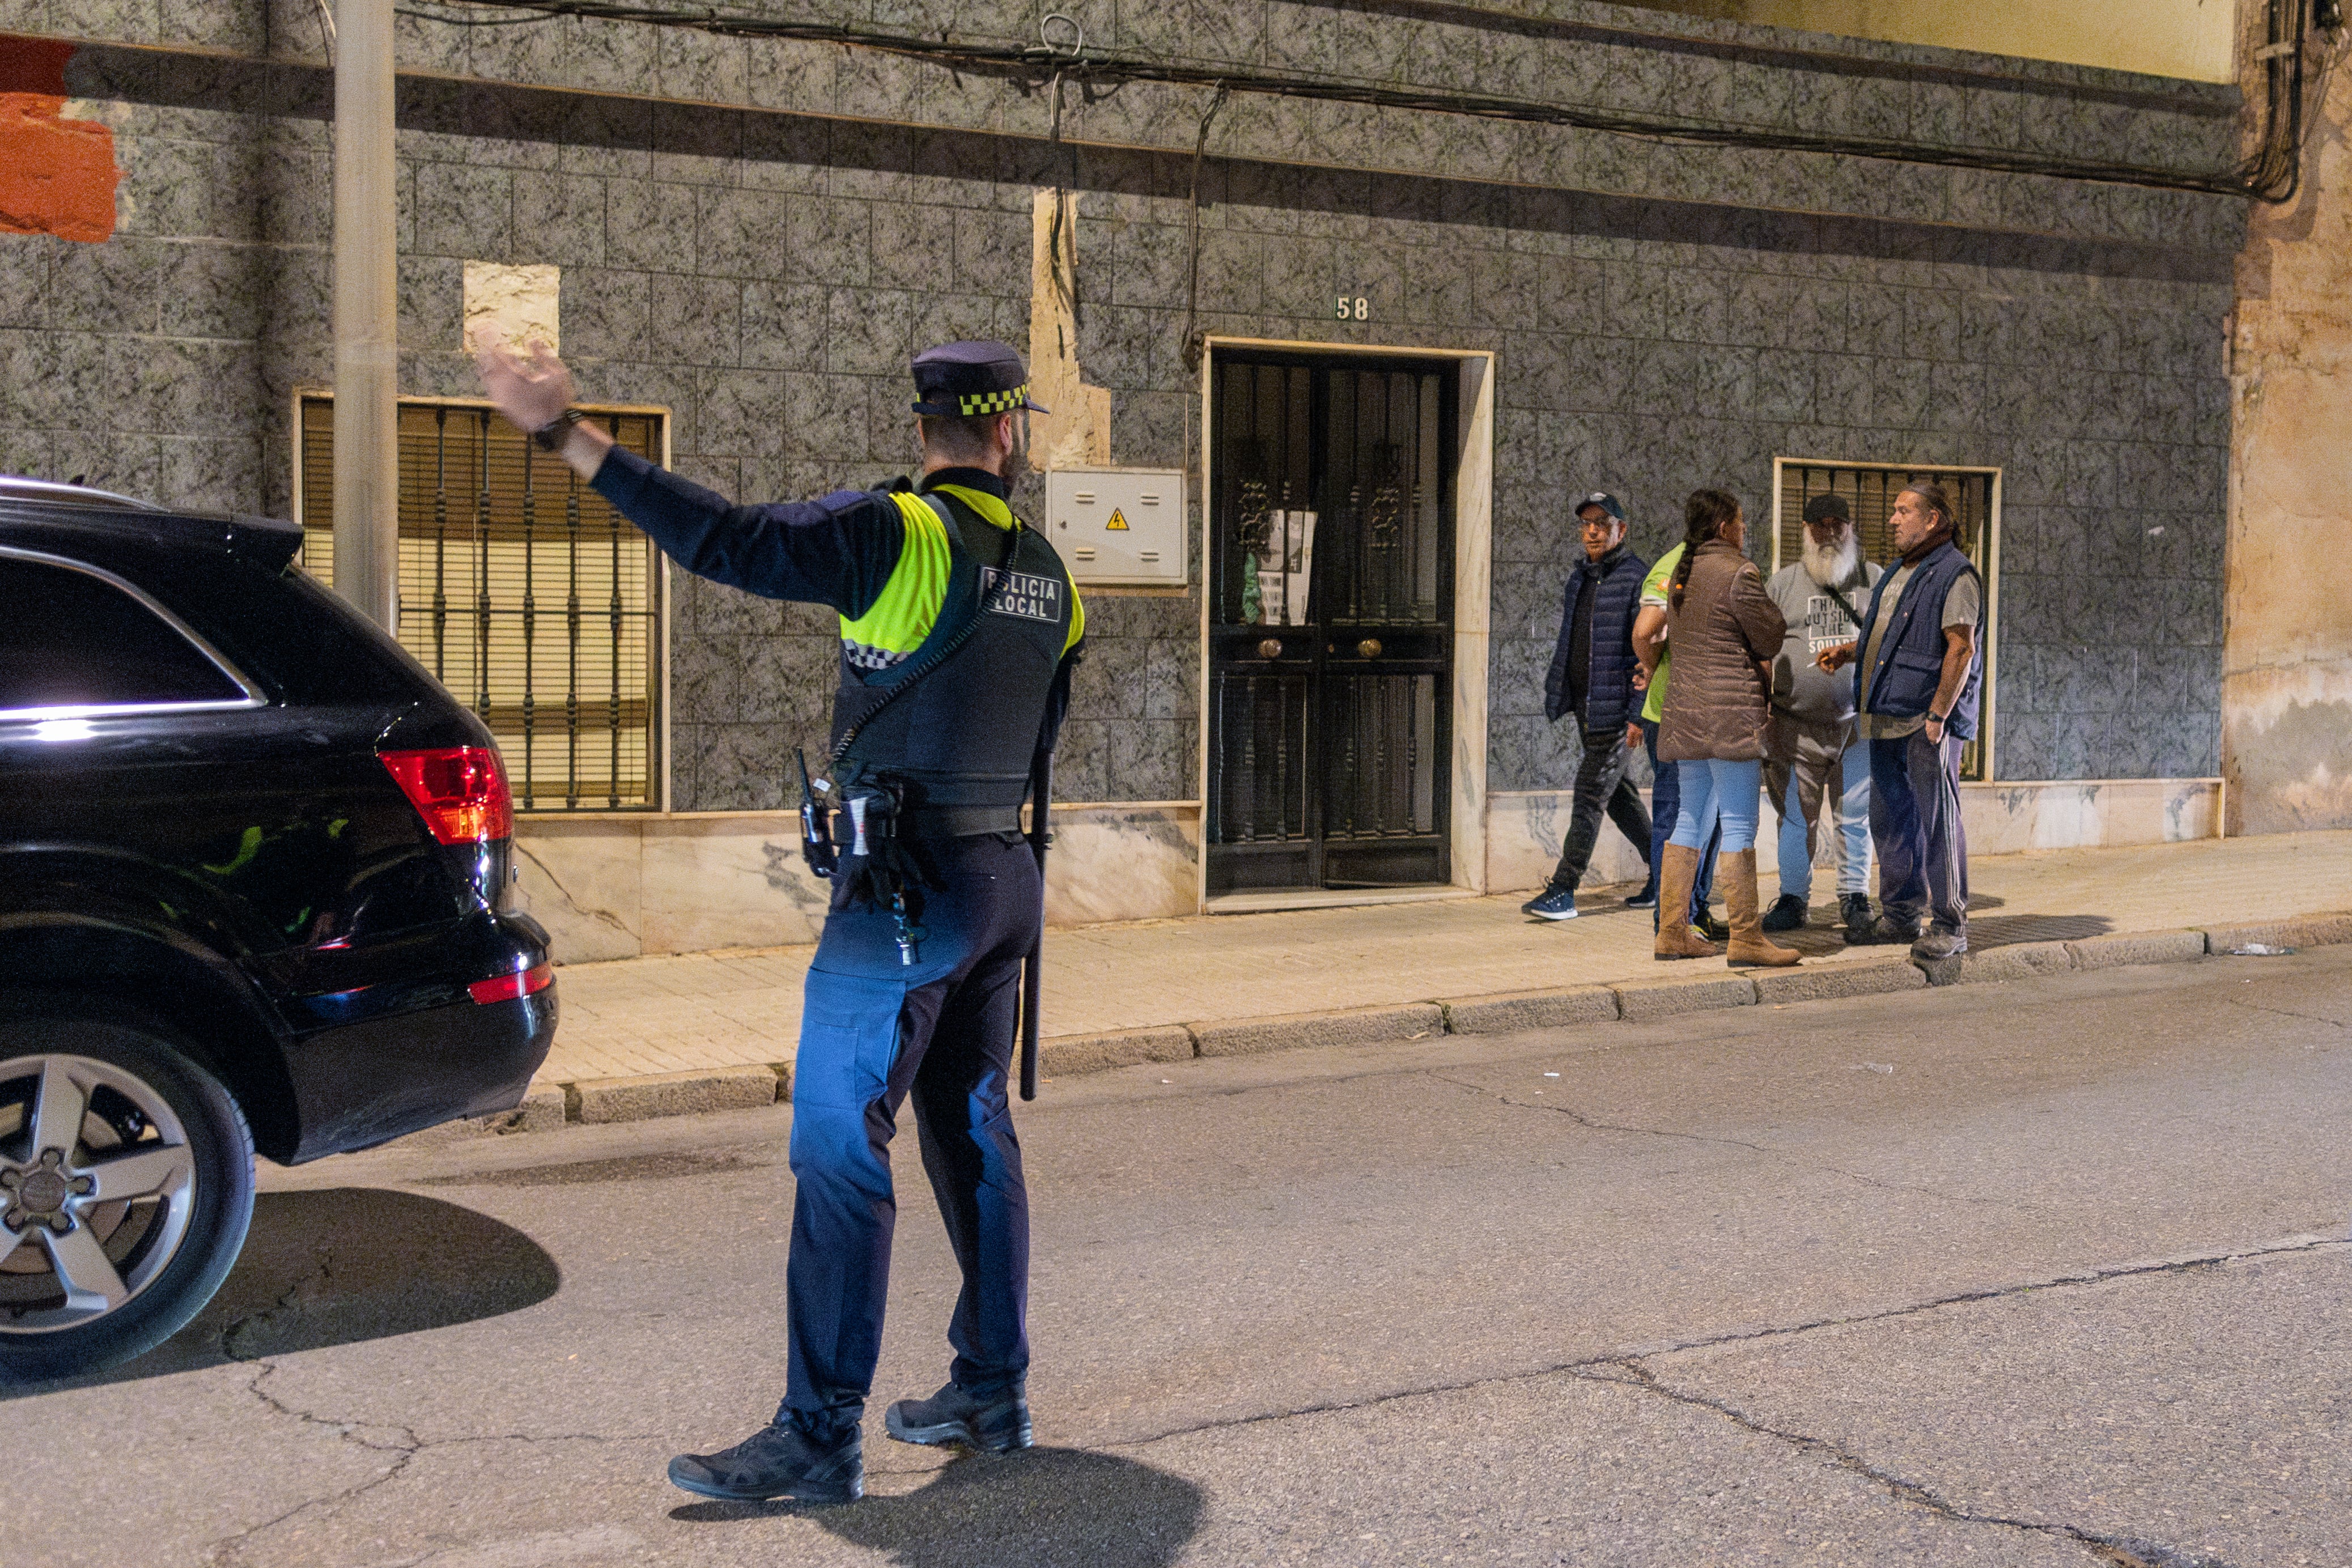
{"points": [[1293, 1031], [1863, 980], [1076, 1054], [609, 1100], [1639, 1001], [672, 1094], [2137, 947], [1502, 1012]]}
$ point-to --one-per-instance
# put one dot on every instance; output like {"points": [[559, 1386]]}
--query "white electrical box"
{"points": [[1118, 526]]}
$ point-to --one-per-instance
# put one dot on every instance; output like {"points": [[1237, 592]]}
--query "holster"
{"points": [[876, 856]]}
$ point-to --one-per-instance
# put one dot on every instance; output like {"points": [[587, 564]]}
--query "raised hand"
{"points": [[532, 388]]}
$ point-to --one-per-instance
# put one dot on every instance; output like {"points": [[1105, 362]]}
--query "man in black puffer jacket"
{"points": [[1591, 676]]}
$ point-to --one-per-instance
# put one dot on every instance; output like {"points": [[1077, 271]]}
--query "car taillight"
{"points": [[459, 790], [508, 987]]}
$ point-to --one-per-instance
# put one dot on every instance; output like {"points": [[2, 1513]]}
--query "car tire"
{"points": [[150, 1116]]}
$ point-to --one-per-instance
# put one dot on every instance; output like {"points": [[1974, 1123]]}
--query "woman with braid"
{"points": [[1725, 631]]}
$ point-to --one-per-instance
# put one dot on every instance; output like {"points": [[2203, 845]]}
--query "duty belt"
{"points": [[936, 822]]}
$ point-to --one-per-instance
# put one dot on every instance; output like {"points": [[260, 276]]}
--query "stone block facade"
{"points": [[756, 234]]}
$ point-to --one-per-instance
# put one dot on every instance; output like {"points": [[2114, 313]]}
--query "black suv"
{"points": [[253, 872]]}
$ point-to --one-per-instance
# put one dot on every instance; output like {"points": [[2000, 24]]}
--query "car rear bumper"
{"points": [[360, 1083]]}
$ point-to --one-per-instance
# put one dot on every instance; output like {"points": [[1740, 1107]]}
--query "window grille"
{"points": [[523, 592], [1870, 492]]}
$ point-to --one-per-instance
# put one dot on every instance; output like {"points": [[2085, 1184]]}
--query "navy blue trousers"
{"points": [[1915, 818], [875, 1032], [1666, 804]]}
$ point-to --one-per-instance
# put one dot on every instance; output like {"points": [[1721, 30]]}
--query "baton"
{"points": [[1033, 967]]}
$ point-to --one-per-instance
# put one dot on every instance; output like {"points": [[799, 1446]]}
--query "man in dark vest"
{"points": [[936, 900], [1918, 676], [1592, 677]]}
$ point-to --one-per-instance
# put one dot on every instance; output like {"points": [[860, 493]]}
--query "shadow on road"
{"points": [[1047, 1508], [348, 1264]]}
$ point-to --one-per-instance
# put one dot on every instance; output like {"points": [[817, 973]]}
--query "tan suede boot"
{"points": [[1749, 943], [1675, 937]]}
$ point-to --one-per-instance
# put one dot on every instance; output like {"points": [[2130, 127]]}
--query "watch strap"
{"points": [[552, 436]]}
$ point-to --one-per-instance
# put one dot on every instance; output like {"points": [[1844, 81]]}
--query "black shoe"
{"points": [[1713, 929], [1853, 910], [1787, 913], [1885, 932], [779, 1460], [998, 1422], [1646, 899]]}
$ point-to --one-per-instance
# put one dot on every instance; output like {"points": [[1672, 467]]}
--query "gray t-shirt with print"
{"points": [[1962, 603], [1815, 623]]}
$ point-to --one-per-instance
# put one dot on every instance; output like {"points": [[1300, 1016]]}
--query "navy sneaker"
{"points": [[1552, 904], [1854, 908], [1646, 899], [1886, 931], [996, 1422], [779, 1460]]}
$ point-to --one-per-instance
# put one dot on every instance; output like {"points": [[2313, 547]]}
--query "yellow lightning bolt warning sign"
{"points": [[1118, 523]]}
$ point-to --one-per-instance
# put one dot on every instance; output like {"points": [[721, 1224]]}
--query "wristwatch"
{"points": [[552, 436], [1935, 718]]}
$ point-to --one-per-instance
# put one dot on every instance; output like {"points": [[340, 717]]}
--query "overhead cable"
{"points": [[2272, 174]]}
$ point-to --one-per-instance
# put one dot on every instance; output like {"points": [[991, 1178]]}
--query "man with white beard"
{"points": [[1813, 749]]}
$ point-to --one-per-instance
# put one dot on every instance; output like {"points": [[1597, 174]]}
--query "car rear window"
{"points": [[71, 640]]}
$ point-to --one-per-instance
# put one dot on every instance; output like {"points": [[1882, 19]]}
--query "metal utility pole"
{"points": [[367, 306]]}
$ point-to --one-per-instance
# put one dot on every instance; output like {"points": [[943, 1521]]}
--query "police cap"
{"points": [[970, 379]]}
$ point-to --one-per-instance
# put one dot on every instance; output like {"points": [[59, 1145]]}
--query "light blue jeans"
{"points": [[1852, 817], [1728, 793]]}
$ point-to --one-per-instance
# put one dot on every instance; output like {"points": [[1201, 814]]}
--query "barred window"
{"points": [[1870, 490], [522, 591]]}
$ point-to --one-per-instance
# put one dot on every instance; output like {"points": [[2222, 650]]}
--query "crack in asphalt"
{"points": [[403, 1443], [2286, 1012], [1778, 1157], [2120, 1552]]}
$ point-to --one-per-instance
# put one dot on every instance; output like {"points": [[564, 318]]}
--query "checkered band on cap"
{"points": [[1005, 402]]}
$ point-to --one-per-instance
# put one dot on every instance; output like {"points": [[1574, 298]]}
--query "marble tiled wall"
{"points": [[1663, 317]]}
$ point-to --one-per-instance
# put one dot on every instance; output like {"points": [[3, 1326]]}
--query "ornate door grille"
{"points": [[1331, 566], [522, 591]]}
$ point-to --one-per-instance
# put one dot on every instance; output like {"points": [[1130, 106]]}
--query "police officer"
{"points": [[914, 990]]}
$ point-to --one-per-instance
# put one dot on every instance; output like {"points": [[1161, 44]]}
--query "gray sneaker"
{"points": [[1940, 945]]}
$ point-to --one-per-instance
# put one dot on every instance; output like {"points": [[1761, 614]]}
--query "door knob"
{"points": [[1270, 649], [1370, 648]]}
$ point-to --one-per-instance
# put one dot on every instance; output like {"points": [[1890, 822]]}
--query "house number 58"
{"points": [[1355, 309]]}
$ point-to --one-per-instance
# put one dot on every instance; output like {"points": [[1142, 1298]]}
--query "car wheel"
{"points": [[126, 1186]]}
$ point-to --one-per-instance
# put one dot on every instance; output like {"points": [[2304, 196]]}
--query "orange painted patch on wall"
{"points": [[57, 175]]}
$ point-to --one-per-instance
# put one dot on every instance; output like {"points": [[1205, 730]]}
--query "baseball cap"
{"points": [[1602, 499], [1822, 508]]}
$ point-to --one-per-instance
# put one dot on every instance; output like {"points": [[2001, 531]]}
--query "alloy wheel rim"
{"points": [[97, 1187]]}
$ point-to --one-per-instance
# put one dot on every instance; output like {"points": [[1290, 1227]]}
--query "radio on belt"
{"points": [[1118, 526]]}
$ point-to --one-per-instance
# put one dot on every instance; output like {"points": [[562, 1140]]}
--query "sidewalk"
{"points": [[742, 1007]]}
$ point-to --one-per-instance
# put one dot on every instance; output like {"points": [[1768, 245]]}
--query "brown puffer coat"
{"points": [[1718, 702]]}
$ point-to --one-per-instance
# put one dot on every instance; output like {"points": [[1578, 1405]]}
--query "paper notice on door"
{"points": [[1270, 596], [1302, 566]]}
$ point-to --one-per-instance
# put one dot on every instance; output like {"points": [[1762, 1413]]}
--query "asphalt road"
{"points": [[2046, 1273]]}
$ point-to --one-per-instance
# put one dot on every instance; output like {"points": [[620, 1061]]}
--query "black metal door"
{"points": [[1332, 640]]}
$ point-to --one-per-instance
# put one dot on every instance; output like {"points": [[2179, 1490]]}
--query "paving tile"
{"points": [[742, 1007]]}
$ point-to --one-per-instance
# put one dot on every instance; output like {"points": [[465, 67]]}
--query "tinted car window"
{"points": [[68, 639]]}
